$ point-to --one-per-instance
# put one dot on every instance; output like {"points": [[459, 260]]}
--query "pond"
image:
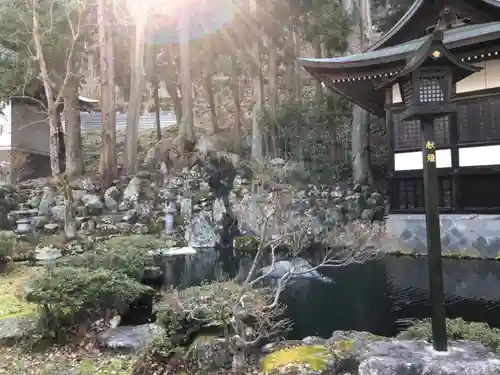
{"points": [[386, 295], [382, 296]]}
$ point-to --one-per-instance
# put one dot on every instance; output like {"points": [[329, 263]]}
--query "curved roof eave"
{"points": [[453, 38], [416, 6]]}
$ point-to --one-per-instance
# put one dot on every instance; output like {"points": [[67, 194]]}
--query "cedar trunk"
{"points": [[74, 153], [107, 167]]}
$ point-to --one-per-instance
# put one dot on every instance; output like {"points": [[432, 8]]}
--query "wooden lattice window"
{"points": [[479, 121], [407, 134], [409, 193], [480, 191]]}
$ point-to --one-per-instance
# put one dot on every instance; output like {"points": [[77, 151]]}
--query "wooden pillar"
{"points": [[455, 194], [431, 197]]}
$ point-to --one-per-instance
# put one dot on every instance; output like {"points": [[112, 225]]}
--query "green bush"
{"points": [[457, 329], [129, 255], [7, 244], [69, 296], [128, 261]]}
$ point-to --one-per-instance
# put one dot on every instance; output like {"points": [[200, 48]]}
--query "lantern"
{"points": [[426, 82], [426, 85]]}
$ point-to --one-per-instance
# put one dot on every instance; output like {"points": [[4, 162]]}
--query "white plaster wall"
{"points": [[30, 129], [467, 157], [410, 161], [488, 78], [5, 125]]}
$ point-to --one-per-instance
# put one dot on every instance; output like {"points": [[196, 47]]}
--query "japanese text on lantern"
{"points": [[431, 151]]}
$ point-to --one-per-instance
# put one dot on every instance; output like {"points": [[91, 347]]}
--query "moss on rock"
{"points": [[314, 357]]}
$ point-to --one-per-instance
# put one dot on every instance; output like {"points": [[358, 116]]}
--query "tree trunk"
{"points": [[235, 86], [107, 167], [273, 97], [51, 105], [71, 113], [186, 131], [361, 145], [360, 117], [137, 86], [211, 102], [290, 62], [319, 87], [257, 151], [297, 84], [156, 98], [171, 84]]}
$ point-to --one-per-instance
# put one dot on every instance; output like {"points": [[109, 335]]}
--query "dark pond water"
{"points": [[385, 295]]}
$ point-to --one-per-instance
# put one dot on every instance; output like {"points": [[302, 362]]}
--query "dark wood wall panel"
{"points": [[479, 120]]}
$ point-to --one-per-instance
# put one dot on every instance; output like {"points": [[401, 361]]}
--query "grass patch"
{"points": [[12, 282], [16, 361]]}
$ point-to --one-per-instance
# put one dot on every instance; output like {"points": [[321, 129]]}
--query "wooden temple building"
{"points": [[467, 141]]}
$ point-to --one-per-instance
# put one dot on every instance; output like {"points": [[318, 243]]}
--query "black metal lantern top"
{"points": [[426, 80]]}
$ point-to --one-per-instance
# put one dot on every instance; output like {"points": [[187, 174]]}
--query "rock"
{"points": [[110, 203], [133, 190], [201, 233], [113, 193], [58, 213], [301, 360], [51, 228], [34, 202], [209, 353], [48, 200], [93, 203], [40, 221], [78, 194], [14, 329], [47, 254], [394, 357], [297, 265], [129, 338]]}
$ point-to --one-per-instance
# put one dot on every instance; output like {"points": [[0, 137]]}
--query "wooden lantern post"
{"points": [[435, 269], [426, 84]]}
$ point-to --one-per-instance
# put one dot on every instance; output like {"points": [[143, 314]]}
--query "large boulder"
{"points": [[361, 353]]}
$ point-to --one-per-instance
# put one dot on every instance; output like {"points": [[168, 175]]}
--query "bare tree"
{"points": [[54, 92], [251, 310]]}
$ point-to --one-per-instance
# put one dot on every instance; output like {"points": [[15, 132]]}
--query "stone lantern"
{"points": [[426, 83]]}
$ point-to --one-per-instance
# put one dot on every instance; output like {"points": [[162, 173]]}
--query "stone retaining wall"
{"points": [[470, 235]]}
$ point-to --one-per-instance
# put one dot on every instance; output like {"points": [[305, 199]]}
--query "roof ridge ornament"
{"points": [[448, 18]]}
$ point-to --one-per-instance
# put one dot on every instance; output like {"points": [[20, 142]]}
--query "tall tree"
{"points": [[137, 84], [71, 113], [68, 16], [108, 165], [186, 131], [360, 37], [257, 149]]}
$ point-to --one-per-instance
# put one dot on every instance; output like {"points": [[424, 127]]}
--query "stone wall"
{"points": [[468, 235]]}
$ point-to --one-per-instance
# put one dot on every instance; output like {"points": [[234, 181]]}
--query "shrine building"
{"points": [[467, 141]]}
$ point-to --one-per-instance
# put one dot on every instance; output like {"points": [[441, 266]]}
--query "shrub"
{"points": [[138, 242], [7, 244], [129, 261], [457, 329], [70, 297], [208, 309]]}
